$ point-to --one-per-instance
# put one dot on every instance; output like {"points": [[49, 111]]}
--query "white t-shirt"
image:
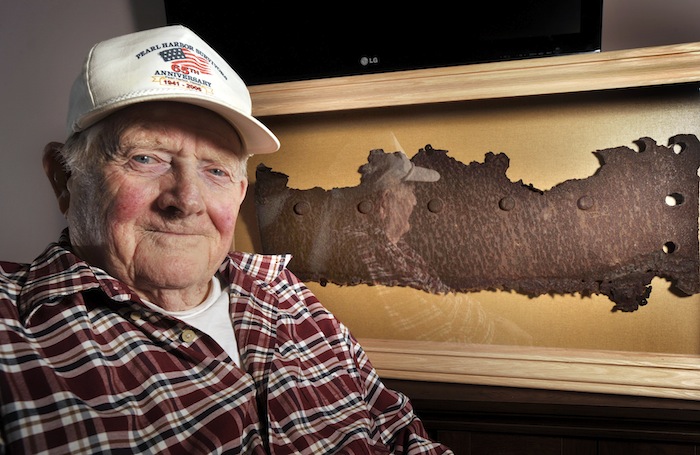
{"points": [[211, 317]]}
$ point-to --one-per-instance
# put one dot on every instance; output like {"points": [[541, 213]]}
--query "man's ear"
{"points": [[57, 174], [244, 188]]}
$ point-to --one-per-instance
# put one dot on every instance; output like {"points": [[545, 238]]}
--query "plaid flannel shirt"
{"points": [[85, 367]]}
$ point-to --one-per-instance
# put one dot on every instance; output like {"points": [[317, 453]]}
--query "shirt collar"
{"points": [[58, 273], [263, 268]]}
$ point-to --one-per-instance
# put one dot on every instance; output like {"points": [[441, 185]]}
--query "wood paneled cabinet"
{"points": [[486, 420]]}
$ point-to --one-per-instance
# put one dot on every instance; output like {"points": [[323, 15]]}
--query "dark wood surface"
{"points": [[479, 420]]}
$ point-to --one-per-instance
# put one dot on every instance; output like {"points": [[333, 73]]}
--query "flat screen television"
{"points": [[284, 42]]}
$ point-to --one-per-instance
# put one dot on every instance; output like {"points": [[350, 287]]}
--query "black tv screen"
{"points": [[287, 42]]}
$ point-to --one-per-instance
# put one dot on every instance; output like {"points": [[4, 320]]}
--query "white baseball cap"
{"points": [[164, 64]]}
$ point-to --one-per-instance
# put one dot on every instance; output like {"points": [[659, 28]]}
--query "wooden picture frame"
{"points": [[615, 372]]}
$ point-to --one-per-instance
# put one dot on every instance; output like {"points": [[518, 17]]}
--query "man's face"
{"points": [[167, 205]]}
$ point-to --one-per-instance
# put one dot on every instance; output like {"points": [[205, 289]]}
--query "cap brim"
{"points": [[256, 137], [422, 174]]}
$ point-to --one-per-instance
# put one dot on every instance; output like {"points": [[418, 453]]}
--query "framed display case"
{"points": [[549, 115]]}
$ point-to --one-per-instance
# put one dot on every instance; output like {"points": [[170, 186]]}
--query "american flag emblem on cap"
{"points": [[186, 59]]}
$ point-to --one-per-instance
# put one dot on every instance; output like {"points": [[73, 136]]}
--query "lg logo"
{"points": [[364, 61]]}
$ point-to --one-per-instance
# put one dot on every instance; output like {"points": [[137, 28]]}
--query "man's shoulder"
{"points": [[12, 274], [11, 268]]}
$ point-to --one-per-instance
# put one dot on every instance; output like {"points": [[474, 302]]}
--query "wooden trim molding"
{"points": [[660, 65], [612, 372]]}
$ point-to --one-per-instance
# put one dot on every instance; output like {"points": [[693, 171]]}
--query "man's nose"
{"points": [[183, 195]]}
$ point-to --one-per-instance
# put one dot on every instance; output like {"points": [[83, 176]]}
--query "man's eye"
{"points": [[143, 159], [218, 172]]}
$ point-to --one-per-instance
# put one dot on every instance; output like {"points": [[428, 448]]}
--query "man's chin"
{"points": [[176, 271], [177, 240]]}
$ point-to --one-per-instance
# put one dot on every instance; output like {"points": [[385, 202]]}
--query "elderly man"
{"points": [[139, 332]]}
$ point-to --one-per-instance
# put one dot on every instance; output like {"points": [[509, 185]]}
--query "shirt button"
{"points": [[135, 315], [187, 335]]}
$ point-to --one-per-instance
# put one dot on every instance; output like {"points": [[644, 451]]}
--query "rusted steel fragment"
{"points": [[436, 224]]}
